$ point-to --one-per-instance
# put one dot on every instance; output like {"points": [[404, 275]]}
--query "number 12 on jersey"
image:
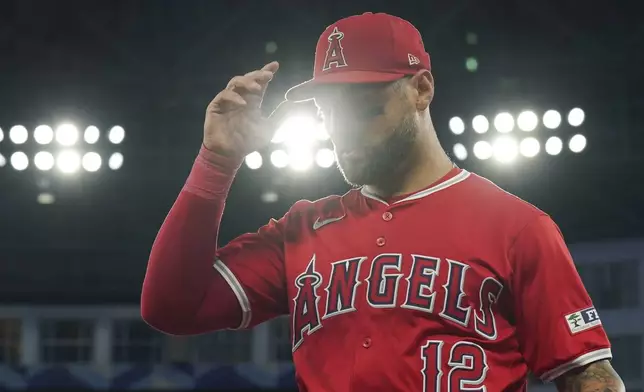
{"points": [[464, 366]]}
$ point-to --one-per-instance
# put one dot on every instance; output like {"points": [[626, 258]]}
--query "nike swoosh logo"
{"points": [[318, 223]]}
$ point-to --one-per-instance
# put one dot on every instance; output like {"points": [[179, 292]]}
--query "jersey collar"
{"points": [[455, 176]]}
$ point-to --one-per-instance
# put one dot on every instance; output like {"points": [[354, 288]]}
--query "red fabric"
{"points": [[182, 293], [460, 285], [365, 48]]}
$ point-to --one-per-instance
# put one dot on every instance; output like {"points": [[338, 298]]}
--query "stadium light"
{"points": [[91, 162], [18, 134], [551, 119], [19, 160], [577, 143], [44, 160], [49, 155], [456, 125], [92, 134], [279, 159], [116, 134], [43, 134], [480, 124], [116, 161], [46, 198], [483, 150], [460, 152], [68, 161], [325, 158], [254, 160], [527, 121], [505, 149], [554, 145], [529, 147], [300, 160], [504, 122], [67, 135], [576, 117]]}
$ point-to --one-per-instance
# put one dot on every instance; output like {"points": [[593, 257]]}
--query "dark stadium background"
{"points": [[153, 66]]}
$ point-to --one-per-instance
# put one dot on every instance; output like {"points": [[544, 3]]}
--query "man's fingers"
{"points": [[244, 84], [227, 99], [272, 67]]}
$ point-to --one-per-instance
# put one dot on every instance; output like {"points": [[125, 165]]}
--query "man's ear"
{"points": [[423, 82]]}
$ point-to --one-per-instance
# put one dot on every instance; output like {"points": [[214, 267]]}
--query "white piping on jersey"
{"points": [[238, 289], [582, 360], [424, 193]]}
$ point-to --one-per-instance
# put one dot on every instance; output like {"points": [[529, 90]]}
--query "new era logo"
{"points": [[583, 320], [412, 59]]}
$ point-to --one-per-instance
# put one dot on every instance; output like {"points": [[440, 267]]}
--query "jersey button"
{"points": [[381, 241], [387, 216], [366, 343]]}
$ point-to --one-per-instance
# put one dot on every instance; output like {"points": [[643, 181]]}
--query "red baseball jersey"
{"points": [[461, 286]]}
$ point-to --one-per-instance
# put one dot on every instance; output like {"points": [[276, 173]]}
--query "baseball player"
{"points": [[423, 277]]}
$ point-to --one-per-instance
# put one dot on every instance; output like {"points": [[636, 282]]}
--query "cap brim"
{"points": [[308, 90]]}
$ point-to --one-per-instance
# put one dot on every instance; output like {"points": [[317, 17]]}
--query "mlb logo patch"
{"points": [[583, 320]]}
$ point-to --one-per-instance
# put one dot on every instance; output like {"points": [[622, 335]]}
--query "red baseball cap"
{"points": [[367, 48]]}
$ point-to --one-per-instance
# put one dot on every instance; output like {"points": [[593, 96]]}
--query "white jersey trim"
{"points": [[581, 360], [463, 175], [238, 289]]}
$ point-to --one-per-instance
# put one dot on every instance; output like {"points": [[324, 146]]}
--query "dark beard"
{"points": [[386, 164]]}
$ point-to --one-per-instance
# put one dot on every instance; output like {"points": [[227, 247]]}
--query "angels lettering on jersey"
{"points": [[432, 285]]}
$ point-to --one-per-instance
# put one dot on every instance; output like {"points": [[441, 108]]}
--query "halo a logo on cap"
{"points": [[335, 51]]}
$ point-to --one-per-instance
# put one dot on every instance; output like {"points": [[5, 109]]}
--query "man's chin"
{"points": [[355, 176]]}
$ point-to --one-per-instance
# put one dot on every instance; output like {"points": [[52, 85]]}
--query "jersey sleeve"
{"points": [[557, 326], [253, 266]]}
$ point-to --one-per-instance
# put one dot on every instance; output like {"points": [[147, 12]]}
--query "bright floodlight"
{"points": [[551, 119], [527, 121], [483, 150], [529, 147], [19, 160], [18, 134], [456, 125], [460, 152], [116, 161], [68, 161], [577, 143], [1, 135], [67, 135], [269, 197], [92, 161], [279, 159], [91, 134], [300, 133], [480, 124], [44, 160], [300, 159], [554, 145], [325, 157], [43, 134], [576, 117], [254, 160], [116, 134], [504, 122], [3, 160], [46, 198], [506, 149]]}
